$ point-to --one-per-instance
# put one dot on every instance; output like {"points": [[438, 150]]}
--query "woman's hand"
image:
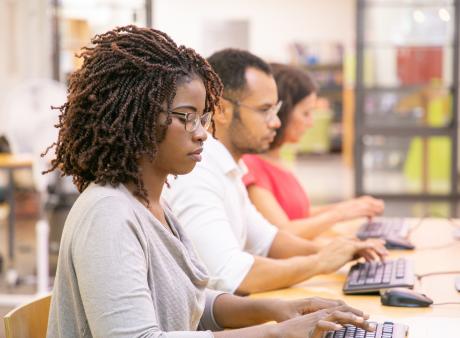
{"points": [[288, 309], [342, 250], [364, 206], [315, 324], [373, 249]]}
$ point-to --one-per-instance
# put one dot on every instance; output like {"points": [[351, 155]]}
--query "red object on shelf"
{"points": [[419, 65]]}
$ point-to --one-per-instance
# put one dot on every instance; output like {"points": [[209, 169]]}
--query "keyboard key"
{"points": [[399, 273], [348, 331]]}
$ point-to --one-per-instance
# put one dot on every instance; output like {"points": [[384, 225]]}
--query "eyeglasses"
{"points": [[193, 120], [268, 113]]}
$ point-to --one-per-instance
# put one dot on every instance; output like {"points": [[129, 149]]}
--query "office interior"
{"points": [[386, 122]]}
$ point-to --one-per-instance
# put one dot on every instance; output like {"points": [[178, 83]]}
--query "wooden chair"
{"points": [[28, 320]]}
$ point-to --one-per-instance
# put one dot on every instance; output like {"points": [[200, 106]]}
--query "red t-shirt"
{"points": [[281, 183]]}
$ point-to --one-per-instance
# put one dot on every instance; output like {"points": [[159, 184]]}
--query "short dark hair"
{"points": [[110, 119], [231, 64], [294, 84]]}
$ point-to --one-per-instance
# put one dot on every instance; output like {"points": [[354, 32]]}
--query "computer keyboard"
{"points": [[371, 277], [385, 330], [395, 232], [384, 227]]}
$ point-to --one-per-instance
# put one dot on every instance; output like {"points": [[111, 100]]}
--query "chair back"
{"points": [[28, 320]]}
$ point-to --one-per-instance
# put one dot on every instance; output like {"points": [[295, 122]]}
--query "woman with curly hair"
{"points": [[137, 111]]}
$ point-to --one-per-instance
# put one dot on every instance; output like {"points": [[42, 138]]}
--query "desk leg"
{"points": [[11, 217]]}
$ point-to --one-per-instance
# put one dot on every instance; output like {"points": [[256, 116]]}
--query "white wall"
{"points": [[25, 33], [25, 42], [273, 24]]}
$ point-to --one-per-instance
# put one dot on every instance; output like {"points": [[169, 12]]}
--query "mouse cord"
{"points": [[452, 221], [439, 273], [419, 277], [415, 227], [436, 247]]}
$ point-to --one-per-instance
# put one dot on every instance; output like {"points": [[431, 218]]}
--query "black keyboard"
{"points": [[383, 228], [395, 232], [370, 277], [385, 330]]}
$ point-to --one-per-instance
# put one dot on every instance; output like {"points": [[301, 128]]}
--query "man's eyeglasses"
{"points": [[193, 119], [268, 113]]}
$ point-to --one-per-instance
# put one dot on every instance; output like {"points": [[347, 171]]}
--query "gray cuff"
{"points": [[207, 321]]}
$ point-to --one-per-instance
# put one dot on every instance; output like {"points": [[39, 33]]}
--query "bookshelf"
{"points": [[406, 93]]}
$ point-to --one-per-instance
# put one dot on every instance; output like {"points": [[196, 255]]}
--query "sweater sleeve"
{"points": [[208, 322], [111, 268]]}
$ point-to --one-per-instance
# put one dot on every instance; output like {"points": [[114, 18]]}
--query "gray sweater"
{"points": [[121, 273]]}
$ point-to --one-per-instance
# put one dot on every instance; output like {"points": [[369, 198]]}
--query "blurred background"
{"points": [[385, 124]]}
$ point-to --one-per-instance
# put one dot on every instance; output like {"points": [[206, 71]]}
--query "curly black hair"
{"points": [[110, 118], [231, 64], [294, 84]]}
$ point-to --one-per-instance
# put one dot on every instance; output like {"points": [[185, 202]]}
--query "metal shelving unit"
{"points": [[406, 120]]}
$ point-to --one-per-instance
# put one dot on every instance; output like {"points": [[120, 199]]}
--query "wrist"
{"points": [[278, 310], [321, 261], [337, 215], [274, 331], [269, 310]]}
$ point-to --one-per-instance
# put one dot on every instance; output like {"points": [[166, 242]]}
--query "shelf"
{"points": [[432, 197], [330, 89], [402, 88], [379, 45], [407, 131], [412, 4], [324, 66]]}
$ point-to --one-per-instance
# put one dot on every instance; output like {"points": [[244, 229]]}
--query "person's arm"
{"points": [[283, 245], [111, 268], [269, 207], [321, 218], [300, 318], [202, 215], [286, 245], [234, 311], [319, 209], [231, 311], [356, 207], [200, 206], [290, 271]]}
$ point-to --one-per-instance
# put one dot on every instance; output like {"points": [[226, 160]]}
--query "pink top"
{"points": [[281, 183]]}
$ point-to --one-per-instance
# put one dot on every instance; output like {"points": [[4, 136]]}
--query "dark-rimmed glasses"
{"points": [[193, 119]]}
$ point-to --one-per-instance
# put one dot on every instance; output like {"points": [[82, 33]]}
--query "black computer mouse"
{"points": [[398, 243], [404, 297]]}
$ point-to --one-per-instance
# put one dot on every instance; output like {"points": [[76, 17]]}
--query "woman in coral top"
{"points": [[272, 187]]}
